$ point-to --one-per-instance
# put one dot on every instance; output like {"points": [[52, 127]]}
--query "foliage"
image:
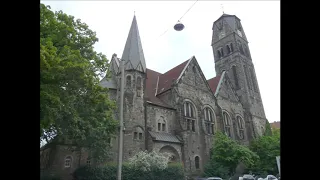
{"points": [[72, 104], [226, 155], [214, 169], [267, 148], [45, 175], [109, 172], [268, 131], [147, 161]]}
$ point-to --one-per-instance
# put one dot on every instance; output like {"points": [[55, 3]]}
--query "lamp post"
{"points": [[120, 152]]}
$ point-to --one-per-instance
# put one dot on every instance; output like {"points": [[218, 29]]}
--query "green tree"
{"points": [[72, 104], [268, 131], [227, 154], [267, 148]]}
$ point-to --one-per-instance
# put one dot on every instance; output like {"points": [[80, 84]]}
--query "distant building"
{"points": [[275, 125], [180, 110]]}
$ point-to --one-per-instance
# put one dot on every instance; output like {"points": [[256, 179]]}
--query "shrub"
{"points": [[109, 172]]}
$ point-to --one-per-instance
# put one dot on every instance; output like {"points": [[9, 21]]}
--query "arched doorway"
{"points": [[174, 155]]}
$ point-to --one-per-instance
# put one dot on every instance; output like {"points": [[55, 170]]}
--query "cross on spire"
{"points": [[222, 8]]}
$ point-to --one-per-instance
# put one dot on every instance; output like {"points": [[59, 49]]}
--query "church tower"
{"points": [[134, 90], [231, 54]]}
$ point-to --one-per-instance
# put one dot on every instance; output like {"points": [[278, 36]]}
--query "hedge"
{"points": [[109, 172]]}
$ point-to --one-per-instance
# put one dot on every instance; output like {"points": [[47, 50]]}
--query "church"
{"points": [[179, 111]]}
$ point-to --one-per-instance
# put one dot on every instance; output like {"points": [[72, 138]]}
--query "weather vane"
{"points": [[222, 8]]}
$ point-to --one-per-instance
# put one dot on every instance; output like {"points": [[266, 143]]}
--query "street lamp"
{"points": [[120, 151]]}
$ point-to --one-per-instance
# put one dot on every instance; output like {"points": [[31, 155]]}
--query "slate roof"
{"points": [[168, 78], [158, 136], [133, 49], [151, 85], [110, 83], [213, 83]]}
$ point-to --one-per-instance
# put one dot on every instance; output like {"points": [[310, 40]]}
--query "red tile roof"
{"points": [[151, 85], [275, 125], [167, 79], [213, 83]]}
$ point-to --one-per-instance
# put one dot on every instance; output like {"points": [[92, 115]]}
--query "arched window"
{"points": [[254, 84], [138, 133], [209, 120], [162, 124], [189, 116], [241, 126], [219, 54], [128, 81], [222, 54], [234, 71], [68, 161], [231, 47], [240, 48], [228, 49], [247, 76], [197, 162], [246, 51], [139, 86], [88, 161], [227, 124]]}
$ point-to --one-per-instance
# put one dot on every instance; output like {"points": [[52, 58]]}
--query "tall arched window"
{"points": [[138, 133], [139, 86], [162, 124], [241, 126], [128, 81], [254, 84], [240, 47], [209, 120], [234, 71], [197, 162], [227, 124], [231, 47], [247, 76], [228, 49], [219, 54], [189, 116], [222, 54], [246, 51], [68, 161]]}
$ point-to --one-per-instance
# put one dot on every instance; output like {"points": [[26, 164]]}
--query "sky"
{"points": [[164, 48]]}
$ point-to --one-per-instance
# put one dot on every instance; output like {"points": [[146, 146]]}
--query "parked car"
{"points": [[214, 178], [270, 177], [209, 178], [246, 177]]}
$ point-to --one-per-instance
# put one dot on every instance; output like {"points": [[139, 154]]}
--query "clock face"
{"points": [[239, 33]]}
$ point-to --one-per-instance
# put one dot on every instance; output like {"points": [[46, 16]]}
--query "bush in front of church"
{"points": [[173, 171]]}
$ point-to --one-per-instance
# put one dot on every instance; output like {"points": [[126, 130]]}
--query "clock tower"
{"points": [[231, 54]]}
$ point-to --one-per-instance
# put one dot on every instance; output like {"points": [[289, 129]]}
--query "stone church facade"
{"points": [[179, 111]]}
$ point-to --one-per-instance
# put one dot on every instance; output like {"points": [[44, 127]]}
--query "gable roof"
{"points": [[213, 83], [168, 78], [151, 87]]}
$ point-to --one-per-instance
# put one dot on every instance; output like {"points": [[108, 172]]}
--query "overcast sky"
{"points": [[260, 20]]}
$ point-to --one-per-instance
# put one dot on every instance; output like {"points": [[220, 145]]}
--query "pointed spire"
{"points": [[133, 49]]}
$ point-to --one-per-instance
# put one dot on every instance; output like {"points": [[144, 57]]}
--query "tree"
{"points": [[267, 148], [72, 103], [227, 154], [148, 161]]}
